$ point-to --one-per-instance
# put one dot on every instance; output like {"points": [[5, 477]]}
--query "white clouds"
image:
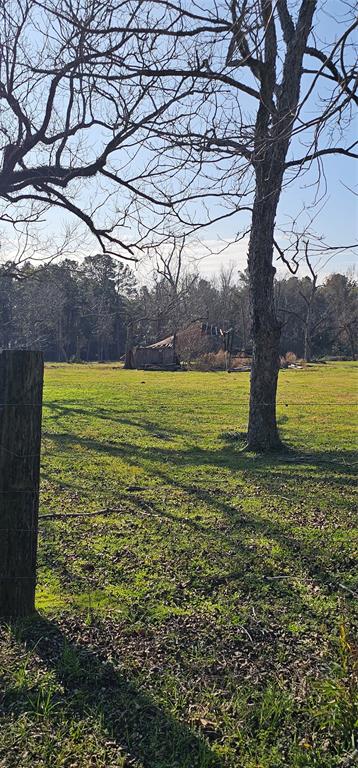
{"points": [[210, 256], [207, 256]]}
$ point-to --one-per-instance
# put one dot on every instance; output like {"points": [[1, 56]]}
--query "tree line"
{"points": [[93, 310]]}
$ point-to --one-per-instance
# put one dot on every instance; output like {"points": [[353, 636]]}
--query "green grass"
{"points": [[207, 618]]}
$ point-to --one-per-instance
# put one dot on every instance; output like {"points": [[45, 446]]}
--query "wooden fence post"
{"points": [[21, 380]]}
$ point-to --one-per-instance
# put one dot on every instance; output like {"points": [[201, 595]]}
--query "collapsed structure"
{"points": [[169, 353]]}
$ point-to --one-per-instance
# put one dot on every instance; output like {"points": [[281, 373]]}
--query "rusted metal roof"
{"points": [[167, 343], [205, 329]]}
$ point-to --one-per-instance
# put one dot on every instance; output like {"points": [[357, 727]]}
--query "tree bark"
{"points": [[307, 335], [351, 338], [266, 330], [128, 359], [273, 130], [21, 376], [306, 346]]}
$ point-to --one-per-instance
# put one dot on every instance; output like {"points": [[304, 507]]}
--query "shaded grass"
{"points": [[209, 620]]}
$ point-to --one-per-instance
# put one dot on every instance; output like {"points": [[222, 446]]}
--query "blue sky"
{"points": [[335, 213]]}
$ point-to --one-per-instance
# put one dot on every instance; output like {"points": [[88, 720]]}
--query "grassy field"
{"points": [[206, 616]]}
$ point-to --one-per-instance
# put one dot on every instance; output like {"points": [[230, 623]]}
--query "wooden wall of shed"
{"points": [[147, 356]]}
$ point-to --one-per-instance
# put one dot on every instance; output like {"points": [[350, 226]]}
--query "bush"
{"points": [[216, 361], [210, 361], [238, 362]]}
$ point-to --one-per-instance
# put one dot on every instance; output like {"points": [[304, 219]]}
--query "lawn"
{"points": [[205, 614]]}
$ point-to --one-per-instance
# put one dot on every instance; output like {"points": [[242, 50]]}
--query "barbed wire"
{"points": [[98, 405]]}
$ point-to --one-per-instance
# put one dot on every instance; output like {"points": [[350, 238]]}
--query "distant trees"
{"points": [[93, 309], [341, 294], [70, 311], [318, 319]]}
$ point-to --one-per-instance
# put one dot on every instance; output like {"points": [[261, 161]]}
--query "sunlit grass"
{"points": [[197, 620]]}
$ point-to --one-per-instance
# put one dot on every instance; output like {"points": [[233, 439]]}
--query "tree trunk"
{"points": [[307, 335], [21, 375], [266, 330], [78, 349], [351, 338], [309, 306], [244, 334], [128, 360], [273, 129], [61, 353]]}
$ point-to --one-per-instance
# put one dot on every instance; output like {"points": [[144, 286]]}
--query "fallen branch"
{"points": [[343, 586], [65, 515]]}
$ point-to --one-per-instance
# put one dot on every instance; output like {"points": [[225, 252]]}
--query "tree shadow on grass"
{"points": [[229, 454], [94, 411], [308, 554], [94, 687], [271, 476], [246, 566], [270, 469]]}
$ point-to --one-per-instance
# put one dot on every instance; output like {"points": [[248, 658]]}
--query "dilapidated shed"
{"points": [[160, 355], [168, 353]]}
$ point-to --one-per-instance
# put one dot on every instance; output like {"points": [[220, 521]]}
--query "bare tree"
{"points": [[81, 88], [171, 285], [311, 251], [308, 300], [307, 295], [278, 99]]}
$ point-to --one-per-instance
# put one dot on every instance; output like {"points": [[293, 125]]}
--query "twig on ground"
{"points": [[55, 515]]}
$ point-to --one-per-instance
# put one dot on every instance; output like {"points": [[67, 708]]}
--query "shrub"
{"points": [[210, 361], [238, 362]]}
